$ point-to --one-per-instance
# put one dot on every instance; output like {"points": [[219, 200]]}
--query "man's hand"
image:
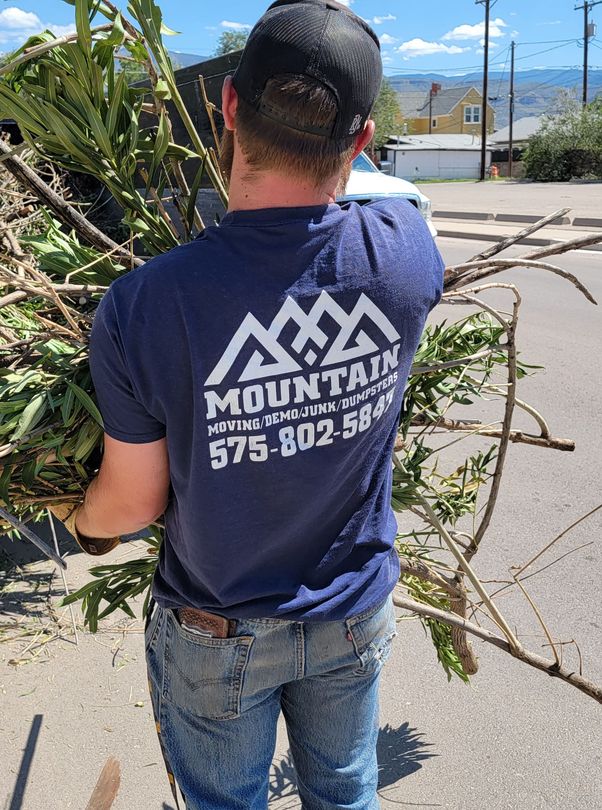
{"points": [[67, 514], [129, 493]]}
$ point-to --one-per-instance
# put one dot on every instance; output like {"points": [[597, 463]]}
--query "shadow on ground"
{"points": [[25, 588], [400, 752]]}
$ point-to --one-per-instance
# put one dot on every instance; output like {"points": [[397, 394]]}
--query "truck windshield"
{"points": [[362, 163]]}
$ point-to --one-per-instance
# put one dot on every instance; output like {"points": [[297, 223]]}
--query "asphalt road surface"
{"points": [[514, 738]]}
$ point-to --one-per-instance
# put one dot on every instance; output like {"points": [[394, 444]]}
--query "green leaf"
{"points": [[116, 103], [117, 35], [88, 439], [67, 406], [82, 24], [87, 402], [168, 32], [162, 91], [30, 417], [161, 144]]}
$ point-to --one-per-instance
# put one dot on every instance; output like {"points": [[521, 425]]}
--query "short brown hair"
{"points": [[270, 145]]}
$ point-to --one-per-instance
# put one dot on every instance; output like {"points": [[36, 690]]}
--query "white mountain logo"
{"points": [[275, 360]]}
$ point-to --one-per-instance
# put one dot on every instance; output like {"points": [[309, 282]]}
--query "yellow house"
{"points": [[455, 110]]}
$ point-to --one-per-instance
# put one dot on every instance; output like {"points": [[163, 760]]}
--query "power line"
{"points": [[547, 50], [503, 73], [546, 42], [549, 82], [563, 44]]}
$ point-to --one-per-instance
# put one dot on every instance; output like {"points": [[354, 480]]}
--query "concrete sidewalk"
{"points": [[517, 197], [496, 232], [494, 210]]}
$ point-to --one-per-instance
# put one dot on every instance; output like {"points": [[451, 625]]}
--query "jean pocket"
{"points": [[152, 627], [204, 676], [372, 634]]}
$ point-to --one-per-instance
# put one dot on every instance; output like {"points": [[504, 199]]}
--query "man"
{"points": [[251, 384]]}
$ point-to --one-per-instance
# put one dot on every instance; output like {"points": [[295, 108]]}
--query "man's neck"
{"points": [[272, 190]]}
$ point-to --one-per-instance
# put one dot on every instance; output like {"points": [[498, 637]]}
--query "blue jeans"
{"points": [[217, 701]]}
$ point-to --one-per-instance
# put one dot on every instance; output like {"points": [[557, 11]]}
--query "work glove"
{"points": [[96, 546]]}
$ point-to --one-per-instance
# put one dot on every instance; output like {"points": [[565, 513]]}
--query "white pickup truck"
{"points": [[367, 183]]}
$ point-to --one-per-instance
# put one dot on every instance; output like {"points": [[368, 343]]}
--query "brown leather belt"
{"points": [[206, 624]]}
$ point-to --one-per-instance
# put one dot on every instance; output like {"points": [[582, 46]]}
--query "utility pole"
{"points": [[487, 4], [432, 92], [587, 6], [431, 111], [511, 138]]}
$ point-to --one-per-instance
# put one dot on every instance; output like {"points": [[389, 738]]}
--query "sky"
{"points": [[432, 35]]}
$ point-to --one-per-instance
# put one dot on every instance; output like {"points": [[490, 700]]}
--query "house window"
{"points": [[472, 114]]}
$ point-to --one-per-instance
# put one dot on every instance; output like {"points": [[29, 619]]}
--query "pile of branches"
{"points": [[77, 113]]}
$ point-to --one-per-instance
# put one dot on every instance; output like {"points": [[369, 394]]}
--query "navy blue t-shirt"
{"points": [[272, 353]]}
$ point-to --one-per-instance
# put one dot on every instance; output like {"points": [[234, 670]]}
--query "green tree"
{"points": [[134, 71], [231, 41], [568, 145], [6, 58], [386, 115]]}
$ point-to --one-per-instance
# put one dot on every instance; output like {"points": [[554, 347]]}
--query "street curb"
{"points": [[529, 240], [472, 215], [531, 219], [528, 219]]}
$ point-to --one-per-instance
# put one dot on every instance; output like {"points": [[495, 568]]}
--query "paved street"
{"points": [[507, 197], [513, 739]]}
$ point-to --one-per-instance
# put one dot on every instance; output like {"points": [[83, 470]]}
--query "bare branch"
{"points": [[69, 215], [484, 269], [481, 429], [512, 240], [533, 659]]}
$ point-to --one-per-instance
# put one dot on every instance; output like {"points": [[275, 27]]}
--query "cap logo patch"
{"points": [[355, 124]]}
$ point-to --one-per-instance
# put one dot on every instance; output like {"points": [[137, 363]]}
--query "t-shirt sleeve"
{"points": [[414, 238], [437, 271], [125, 417]]}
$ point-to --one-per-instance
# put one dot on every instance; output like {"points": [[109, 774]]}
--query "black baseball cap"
{"points": [[321, 39]]}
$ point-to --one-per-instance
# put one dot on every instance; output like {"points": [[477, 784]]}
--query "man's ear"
{"points": [[364, 138], [229, 103]]}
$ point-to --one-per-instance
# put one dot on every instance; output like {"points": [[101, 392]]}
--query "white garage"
{"points": [[446, 157]]}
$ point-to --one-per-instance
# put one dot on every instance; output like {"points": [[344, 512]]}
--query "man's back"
{"points": [[273, 353]]}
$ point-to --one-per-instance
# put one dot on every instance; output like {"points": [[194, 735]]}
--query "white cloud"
{"points": [[383, 18], [17, 25], [346, 2], [551, 22], [387, 39], [466, 31], [235, 26], [481, 51], [13, 17], [419, 47], [61, 30]]}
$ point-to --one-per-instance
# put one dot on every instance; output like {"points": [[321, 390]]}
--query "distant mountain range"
{"points": [[182, 60], [534, 89]]}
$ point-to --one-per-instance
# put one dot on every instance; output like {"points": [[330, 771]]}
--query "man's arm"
{"points": [[130, 491]]}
